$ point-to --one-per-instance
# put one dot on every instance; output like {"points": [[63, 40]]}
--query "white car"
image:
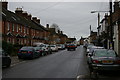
{"points": [[54, 48]]}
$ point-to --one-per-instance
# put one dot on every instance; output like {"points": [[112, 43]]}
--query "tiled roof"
{"points": [[12, 17]]}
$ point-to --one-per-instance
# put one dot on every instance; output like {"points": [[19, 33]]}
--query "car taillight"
{"points": [[30, 52], [40, 50], [118, 61], [19, 51], [95, 61]]}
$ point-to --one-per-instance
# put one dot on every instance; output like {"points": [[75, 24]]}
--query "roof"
{"points": [[12, 17]]}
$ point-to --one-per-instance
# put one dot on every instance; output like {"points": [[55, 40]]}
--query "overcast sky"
{"points": [[73, 18]]}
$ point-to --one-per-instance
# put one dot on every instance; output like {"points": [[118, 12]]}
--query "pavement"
{"points": [[15, 60]]}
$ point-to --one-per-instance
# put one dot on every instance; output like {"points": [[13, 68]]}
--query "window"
{"points": [[8, 26], [17, 27], [13, 41], [20, 28], [24, 30], [13, 27], [8, 40], [28, 31], [25, 41]]}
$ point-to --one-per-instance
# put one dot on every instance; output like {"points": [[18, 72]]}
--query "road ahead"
{"points": [[62, 64]]}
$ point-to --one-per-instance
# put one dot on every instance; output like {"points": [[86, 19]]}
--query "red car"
{"points": [[71, 47]]}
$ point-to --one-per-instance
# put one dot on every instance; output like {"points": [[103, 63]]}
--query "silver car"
{"points": [[104, 59]]}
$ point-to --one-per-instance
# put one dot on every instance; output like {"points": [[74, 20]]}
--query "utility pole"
{"points": [[98, 19], [90, 29], [111, 27]]}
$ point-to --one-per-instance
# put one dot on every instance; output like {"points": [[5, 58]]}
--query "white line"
{"points": [[78, 77]]}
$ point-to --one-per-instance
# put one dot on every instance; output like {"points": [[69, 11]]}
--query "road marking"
{"points": [[83, 77], [78, 77], [17, 63]]}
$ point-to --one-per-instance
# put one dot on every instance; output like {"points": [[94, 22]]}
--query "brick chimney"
{"points": [[29, 16], [4, 4], [38, 21], [61, 32], [47, 26], [34, 19], [19, 11], [25, 14], [116, 5]]}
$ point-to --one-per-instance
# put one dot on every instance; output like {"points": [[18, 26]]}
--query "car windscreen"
{"points": [[27, 48], [104, 53], [71, 45], [52, 45], [37, 48]]}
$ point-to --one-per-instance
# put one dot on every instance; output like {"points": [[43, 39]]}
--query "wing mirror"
{"points": [[90, 54]]}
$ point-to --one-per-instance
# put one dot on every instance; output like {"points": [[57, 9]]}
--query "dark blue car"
{"points": [[27, 52]]}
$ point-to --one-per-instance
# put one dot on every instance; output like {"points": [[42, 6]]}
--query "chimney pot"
{"points": [[19, 11], [38, 21], [25, 14], [47, 25]]}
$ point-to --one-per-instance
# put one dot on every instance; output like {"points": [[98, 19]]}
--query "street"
{"points": [[62, 64]]}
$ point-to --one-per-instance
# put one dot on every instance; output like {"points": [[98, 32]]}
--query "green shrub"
{"points": [[8, 47]]}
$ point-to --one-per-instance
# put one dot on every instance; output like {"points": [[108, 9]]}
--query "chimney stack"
{"points": [[29, 16], [116, 5], [34, 19], [19, 11], [61, 32], [4, 4], [38, 21], [47, 25], [25, 14]]}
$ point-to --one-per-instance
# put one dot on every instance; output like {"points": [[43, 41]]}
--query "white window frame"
{"points": [[17, 28], [13, 27], [25, 41], [24, 30], [13, 41], [21, 28], [8, 26], [27, 30]]}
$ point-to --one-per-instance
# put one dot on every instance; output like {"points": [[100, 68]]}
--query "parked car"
{"points": [[47, 48], [6, 59], [61, 46], [27, 52], [71, 47], [40, 51], [54, 48], [103, 59], [89, 46], [92, 48]]}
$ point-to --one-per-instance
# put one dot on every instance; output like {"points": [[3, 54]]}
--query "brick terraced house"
{"points": [[21, 28]]}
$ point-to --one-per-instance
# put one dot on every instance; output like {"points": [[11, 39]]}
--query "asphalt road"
{"points": [[62, 64]]}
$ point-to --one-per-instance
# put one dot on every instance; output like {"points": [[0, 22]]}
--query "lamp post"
{"points": [[98, 23]]}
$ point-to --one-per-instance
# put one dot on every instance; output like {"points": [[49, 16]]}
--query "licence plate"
{"points": [[105, 61], [24, 52]]}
